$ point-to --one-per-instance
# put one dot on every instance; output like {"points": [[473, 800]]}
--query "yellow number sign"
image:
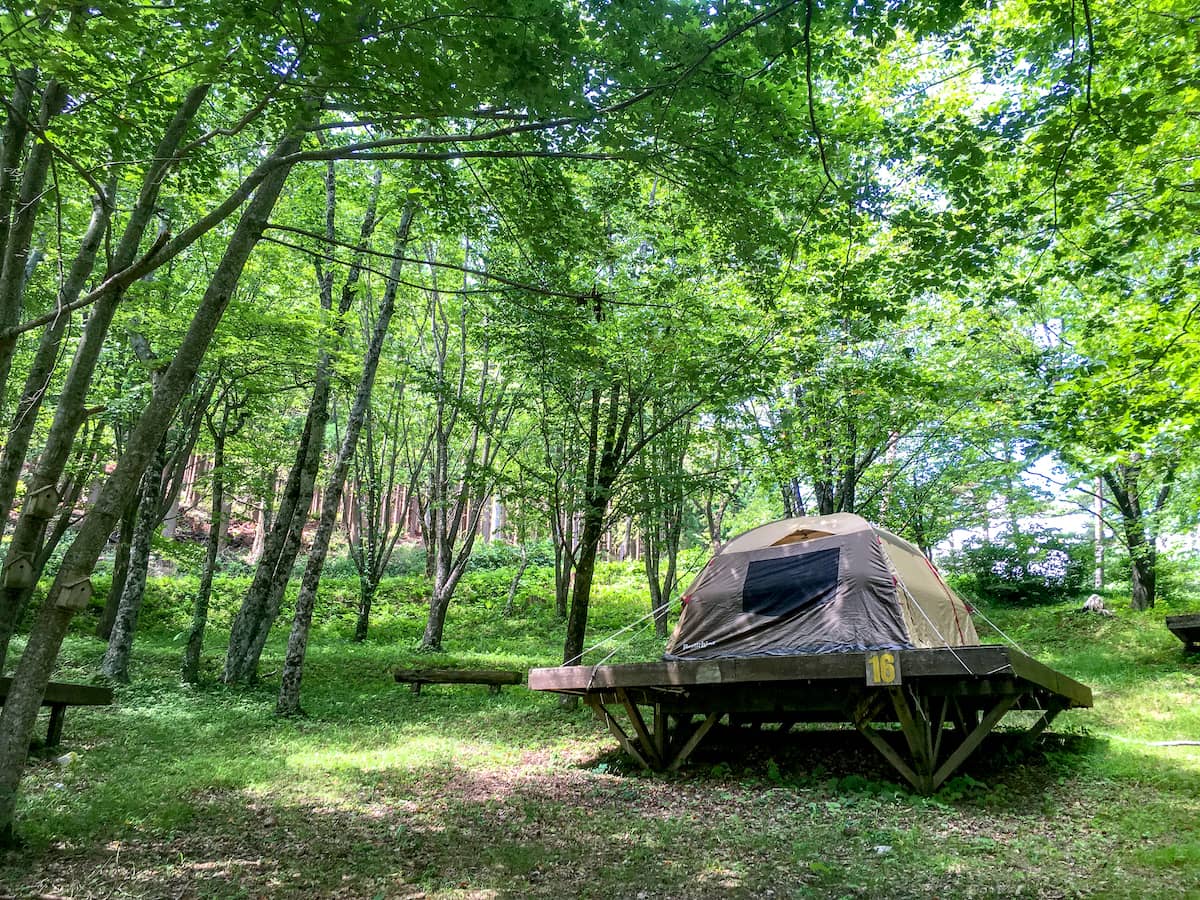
{"points": [[883, 668]]}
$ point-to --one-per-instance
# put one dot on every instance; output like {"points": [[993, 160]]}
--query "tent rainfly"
{"points": [[818, 584]]}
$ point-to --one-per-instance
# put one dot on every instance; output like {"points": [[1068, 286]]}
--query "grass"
{"points": [[377, 792]]}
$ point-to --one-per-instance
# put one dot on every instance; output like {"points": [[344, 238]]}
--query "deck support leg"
{"points": [[889, 753], [660, 731], [618, 732], [692, 742], [973, 740], [923, 734], [650, 749], [651, 746], [1044, 721], [864, 712], [918, 732]]}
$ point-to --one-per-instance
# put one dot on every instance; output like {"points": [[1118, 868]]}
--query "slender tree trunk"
{"points": [[1144, 576], [16, 248], [120, 573], [12, 146], [262, 521], [71, 586], [564, 561], [115, 664], [515, 584], [1124, 485], [445, 582], [367, 586], [1098, 537], [274, 565], [293, 664], [589, 545], [260, 607], [190, 668]]}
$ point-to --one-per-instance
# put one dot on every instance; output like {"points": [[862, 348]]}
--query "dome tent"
{"points": [[818, 584]]}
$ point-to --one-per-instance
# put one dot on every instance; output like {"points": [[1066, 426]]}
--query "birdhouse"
{"points": [[19, 571], [43, 502], [75, 595]]}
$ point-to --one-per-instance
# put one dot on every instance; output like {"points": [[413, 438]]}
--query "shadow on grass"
{"points": [[595, 829]]}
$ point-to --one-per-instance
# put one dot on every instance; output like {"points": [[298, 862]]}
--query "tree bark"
{"points": [[513, 586], [274, 565], [260, 607], [12, 146], [37, 381], [16, 247], [366, 598]]}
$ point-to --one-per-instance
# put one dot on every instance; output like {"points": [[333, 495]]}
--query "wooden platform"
{"points": [[945, 701], [1187, 629], [60, 695]]}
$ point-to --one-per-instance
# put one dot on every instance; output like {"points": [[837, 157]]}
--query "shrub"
{"points": [[1032, 567]]}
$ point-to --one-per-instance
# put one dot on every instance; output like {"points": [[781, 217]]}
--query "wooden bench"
{"points": [[493, 678], [1187, 629], [60, 695]]}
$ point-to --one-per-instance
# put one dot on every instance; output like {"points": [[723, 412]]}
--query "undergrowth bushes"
{"points": [[1027, 568], [400, 605]]}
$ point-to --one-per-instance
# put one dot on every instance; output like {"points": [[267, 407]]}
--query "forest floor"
{"points": [[377, 792]]}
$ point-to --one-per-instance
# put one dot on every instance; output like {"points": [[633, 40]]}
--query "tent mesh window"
{"points": [[779, 587], [799, 537]]}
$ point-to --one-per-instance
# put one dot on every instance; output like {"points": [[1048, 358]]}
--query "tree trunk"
{"points": [[589, 546], [1124, 485], [515, 584], [1098, 537], [260, 607], [190, 668], [115, 664], [1143, 569], [16, 249], [12, 146], [120, 573], [439, 602], [33, 673], [263, 518], [281, 546], [367, 586], [293, 664]]}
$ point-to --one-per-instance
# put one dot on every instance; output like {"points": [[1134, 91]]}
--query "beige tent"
{"points": [[818, 584]]}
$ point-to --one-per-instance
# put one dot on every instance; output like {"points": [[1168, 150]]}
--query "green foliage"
{"points": [[1024, 568]]}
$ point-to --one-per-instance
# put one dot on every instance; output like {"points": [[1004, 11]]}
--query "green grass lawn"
{"points": [[377, 792]]}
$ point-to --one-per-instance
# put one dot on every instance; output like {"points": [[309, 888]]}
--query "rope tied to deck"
{"points": [[666, 608], [582, 653], [982, 615]]}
